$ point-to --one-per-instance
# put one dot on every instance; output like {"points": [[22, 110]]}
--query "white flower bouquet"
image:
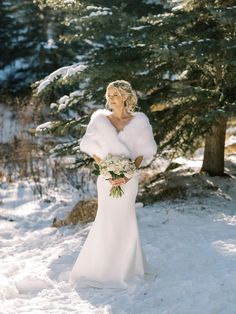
{"points": [[115, 167]]}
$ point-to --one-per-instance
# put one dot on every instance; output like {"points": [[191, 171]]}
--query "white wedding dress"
{"points": [[112, 254]]}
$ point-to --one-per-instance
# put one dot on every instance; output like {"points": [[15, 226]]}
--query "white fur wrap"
{"points": [[136, 138]]}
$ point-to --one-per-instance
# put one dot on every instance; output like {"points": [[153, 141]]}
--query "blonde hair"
{"points": [[125, 89]]}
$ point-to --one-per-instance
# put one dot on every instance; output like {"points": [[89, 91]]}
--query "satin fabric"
{"points": [[112, 253]]}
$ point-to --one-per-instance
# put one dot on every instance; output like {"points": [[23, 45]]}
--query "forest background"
{"points": [[57, 58]]}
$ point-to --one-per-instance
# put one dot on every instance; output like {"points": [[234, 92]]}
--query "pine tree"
{"points": [[198, 44], [113, 48], [29, 44], [181, 60], [5, 20]]}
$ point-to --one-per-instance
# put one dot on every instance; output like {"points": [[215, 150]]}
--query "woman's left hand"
{"points": [[120, 181]]}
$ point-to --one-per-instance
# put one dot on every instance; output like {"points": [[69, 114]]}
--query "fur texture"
{"points": [[136, 139]]}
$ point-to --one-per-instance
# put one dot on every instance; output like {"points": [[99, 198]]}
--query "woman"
{"points": [[112, 253]]}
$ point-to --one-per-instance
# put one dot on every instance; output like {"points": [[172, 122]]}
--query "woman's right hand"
{"points": [[117, 182]]}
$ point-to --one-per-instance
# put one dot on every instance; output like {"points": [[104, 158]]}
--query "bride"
{"points": [[112, 253]]}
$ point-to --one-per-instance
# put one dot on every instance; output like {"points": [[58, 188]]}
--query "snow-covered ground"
{"points": [[190, 246]]}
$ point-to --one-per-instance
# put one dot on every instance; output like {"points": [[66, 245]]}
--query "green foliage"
{"points": [[104, 29], [96, 170], [198, 45], [182, 60], [30, 45]]}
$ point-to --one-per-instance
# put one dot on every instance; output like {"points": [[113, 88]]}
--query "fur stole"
{"points": [[136, 138]]}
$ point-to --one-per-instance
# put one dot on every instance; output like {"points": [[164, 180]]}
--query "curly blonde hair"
{"points": [[125, 89]]}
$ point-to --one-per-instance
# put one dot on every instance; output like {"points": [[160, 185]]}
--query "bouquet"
{"points": [[115, 167]]}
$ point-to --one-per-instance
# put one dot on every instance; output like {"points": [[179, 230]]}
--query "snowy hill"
{"points": [[190, 245]]}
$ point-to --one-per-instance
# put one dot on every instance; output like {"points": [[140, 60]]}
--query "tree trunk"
{"points": [[213, 161]]}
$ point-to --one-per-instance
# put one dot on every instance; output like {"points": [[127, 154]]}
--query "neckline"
{"points": [[119, 131]]}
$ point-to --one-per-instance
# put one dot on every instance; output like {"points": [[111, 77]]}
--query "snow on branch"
{"points": [[97, 11], [63, 72], [66, 101], [69, 2], [45, 126]]}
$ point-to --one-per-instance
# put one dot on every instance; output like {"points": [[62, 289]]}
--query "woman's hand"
{"points": [[97, 159], [120, 181]]}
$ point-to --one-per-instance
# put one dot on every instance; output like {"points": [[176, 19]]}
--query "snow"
{"points": [[96, 45], [230, 141], [50, 44], [63, 72], [167, 76], [182, 75], [190, 245], [178, 7], [93, 7], [70, 2], [43, 126], [97, 13], [145, 72], [231, 130], [183, 43], [65, 101], [137, 28], [139, 45], [156, 2], [77, 93], [53, 105]]}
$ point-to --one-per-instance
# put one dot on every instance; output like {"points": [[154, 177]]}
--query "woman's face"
{"points": [[114, 98]]}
